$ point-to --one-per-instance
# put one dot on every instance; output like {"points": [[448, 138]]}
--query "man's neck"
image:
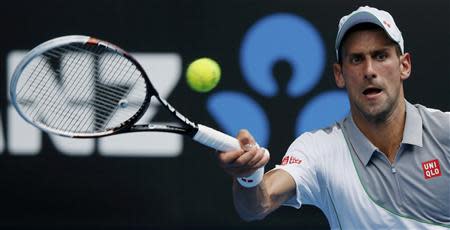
{"points": [[386, 135]]}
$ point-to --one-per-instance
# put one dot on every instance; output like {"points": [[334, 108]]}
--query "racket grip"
{"points": [[223, 142], [215, 139]]}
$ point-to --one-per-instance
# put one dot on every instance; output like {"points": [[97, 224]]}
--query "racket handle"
{"points": [[223, 142], [215, 139]]}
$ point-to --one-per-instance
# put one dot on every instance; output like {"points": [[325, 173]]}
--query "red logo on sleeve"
{"points": [[290, 160], [431, 169]]}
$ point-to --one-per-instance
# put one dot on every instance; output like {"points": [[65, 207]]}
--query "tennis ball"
{"points": [[203, 75]]}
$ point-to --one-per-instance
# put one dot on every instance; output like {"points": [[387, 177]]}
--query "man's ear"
{"points": [[405, 66], [338, 77]]}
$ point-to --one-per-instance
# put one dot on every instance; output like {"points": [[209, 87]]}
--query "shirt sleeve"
{"points": [[302, 162], [443, 119]]}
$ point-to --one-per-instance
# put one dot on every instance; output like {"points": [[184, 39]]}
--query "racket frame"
{"points": [[127, 126]]}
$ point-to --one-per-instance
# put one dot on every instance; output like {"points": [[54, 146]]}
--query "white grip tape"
{"points": [[223, 142], [215, 139]]}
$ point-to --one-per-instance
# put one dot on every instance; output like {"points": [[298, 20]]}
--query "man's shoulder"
{"points": [[323, 133], [434, 118], [320, 140], [432, 114], [435, 123]]}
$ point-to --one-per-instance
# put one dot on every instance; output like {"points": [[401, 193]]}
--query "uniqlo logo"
{"points": [[431, 169], [290, 160]]}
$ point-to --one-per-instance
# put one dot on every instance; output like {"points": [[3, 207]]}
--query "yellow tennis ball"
{"points": [[203, 74]]}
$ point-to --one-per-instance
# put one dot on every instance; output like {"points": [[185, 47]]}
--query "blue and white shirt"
{"points": [[341, 172]]}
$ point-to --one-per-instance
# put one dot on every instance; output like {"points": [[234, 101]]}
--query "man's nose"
{"points": [[369, 71]]}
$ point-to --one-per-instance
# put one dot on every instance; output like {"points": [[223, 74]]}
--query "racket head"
{"points": [[78, 86]]}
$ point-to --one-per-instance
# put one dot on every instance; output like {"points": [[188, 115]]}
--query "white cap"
{"points": [[369, 14]]}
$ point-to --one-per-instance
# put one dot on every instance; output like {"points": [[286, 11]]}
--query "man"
{"points": [[385, 166]]}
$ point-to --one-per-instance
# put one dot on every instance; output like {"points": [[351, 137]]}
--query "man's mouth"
{"points": [[372, 91]]}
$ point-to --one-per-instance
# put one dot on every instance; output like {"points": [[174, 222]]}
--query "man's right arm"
{"points": [[257, 202], [276, 187]]}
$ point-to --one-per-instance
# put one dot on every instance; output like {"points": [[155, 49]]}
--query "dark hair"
{"points": [[360, 27]]}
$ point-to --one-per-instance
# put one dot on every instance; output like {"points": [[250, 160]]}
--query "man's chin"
{"points": [[374, 112]]}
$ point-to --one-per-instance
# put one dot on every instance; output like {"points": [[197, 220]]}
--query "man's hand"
{"points": [[241, 163], [254, 203]]}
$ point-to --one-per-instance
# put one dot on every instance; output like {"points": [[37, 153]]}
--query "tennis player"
{"points": [[385, 166]]}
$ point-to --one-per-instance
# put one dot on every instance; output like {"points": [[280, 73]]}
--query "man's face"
{"points": [[372, 73]]}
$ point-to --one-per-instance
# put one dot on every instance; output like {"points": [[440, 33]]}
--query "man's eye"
{"points": [[355, 59], [381, 56]]}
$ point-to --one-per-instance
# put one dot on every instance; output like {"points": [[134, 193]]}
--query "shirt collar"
{"points": [[412, 134], [364, 149]]}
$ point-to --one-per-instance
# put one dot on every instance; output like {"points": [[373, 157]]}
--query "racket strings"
{"points": [[101, 97], [56, 89], [116, 99], [42, 92], [109, 109], [112, 91], [104, 109], [99, 116], [104, 112], [55, 93], [107, 91], [138, 95], [33, 80]]}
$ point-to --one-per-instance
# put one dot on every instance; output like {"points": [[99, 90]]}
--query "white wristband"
{"points": [[252, 180], [255, 178]]}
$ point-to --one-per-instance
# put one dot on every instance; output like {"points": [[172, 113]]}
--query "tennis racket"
{"points": [[83, 87]]}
